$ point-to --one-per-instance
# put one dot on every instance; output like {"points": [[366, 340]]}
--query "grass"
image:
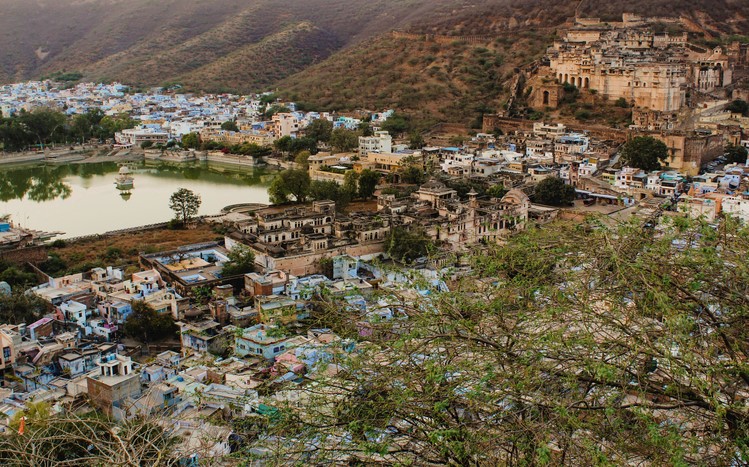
{"points": [[123, 250]]}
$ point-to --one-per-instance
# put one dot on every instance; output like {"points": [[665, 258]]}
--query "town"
{"points": [[367, 218]]}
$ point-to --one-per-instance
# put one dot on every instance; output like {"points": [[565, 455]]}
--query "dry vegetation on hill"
{"points": [[453, 81], [337, 54]]}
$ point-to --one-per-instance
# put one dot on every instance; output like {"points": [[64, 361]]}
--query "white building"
{"points": [[380, 142], [737, 206], [75, 312], [139, 135]]}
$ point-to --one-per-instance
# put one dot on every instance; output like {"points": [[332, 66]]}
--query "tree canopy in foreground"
{"points": [[572, 345]]}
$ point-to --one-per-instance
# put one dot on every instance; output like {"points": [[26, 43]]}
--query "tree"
{"points": [[415, 140], [575, 344], [302, 159], [110, 125], [191, 141], [92, 439], [413, 175], [368, 180], [45, 124], [553, 191], [19, 307], [185, 204], [365, 129], [146, 144], [319, 129], [275, 109], [622, 102], [146, 324], [230, 125], [241, 261], [291, 182], [324, 189], [396, 124], [343, 140], [644, 152], [289, 145], [497, 191], [736, 154], [408, 243], [738, 106]]}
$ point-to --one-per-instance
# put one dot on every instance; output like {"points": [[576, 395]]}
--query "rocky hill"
{"points": [[456, 60], [221, 44]]}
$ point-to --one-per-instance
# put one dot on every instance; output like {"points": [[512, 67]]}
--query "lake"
{"points": [[82, 199]]}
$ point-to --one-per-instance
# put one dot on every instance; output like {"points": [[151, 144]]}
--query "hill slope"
{"points": [[322, 50], [437, 78], [147, 42]]}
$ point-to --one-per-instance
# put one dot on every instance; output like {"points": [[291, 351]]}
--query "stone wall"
{"points": [[310, 264], [33, 255]]}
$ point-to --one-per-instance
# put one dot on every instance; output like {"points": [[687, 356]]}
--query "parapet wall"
{"points": [[443, 39], [33, 255]]}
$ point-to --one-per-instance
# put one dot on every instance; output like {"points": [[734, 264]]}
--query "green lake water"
{"points": [[82, 199]]}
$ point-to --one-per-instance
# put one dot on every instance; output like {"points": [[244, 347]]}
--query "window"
{"points": [[275, 349], [258, 351], [6, 353]]}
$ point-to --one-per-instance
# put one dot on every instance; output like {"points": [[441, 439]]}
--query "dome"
{"points": [[124, 170]]}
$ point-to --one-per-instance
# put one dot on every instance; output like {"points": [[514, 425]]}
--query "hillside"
{"points": [[144, 42], [443, 72], [452, 80], [333, 53]]}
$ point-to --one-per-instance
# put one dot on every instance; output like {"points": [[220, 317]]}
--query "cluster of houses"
{"points": [[235, 358], [163, 115]]}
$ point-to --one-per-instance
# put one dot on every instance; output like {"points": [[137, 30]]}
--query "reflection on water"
{"points": [[83, 199], [42, 184]]}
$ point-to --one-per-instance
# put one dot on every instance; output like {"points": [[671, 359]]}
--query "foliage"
{"points": [[146, 325], [644, 152], [622, 102], [16, 276], [365, 129], [20, 307], [571, 345], [319, 130], [241, 261], [54, 264], [415, 140], [330, 190], [368, 180], [191, 141], [736, 154], [230, 125], [553, 191], [396, 124], [343, 140], [291, 182], [413, 175], [497, 191], [275, 109], [289, 145], [408, 244], [146, 144], [109, 125], [302, 159], [738, 106], [67, 439], [185, 204]]}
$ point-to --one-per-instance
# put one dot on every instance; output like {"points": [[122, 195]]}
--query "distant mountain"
{"points": [[332, 53], [219, 44]]}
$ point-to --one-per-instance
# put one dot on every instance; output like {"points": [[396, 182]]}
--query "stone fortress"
{"points": [[628, 60]]}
